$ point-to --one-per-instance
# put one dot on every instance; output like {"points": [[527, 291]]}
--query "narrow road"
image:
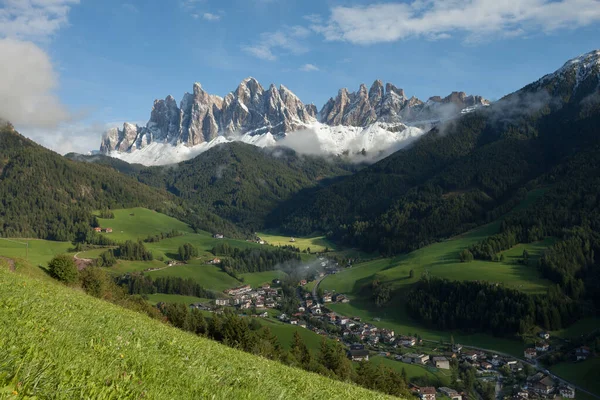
{"points": [[316, 287]]}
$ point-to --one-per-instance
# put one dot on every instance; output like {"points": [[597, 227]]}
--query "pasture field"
{"points": [[316, 243], [139, 223], [209, 276], [436, 377], [256, 279], [585, 374], [285, 333], [40, 251], [582, 327]]}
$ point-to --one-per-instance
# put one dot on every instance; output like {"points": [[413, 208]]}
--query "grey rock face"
{"points": [[201, 117], [391, 105]]}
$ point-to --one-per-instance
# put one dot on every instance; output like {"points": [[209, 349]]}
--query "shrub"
{"points": [[63, 268]]}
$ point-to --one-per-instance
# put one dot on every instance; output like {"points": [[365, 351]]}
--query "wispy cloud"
{"points": [[33, 19], [287, 40], [440, 19], [309, 68], [130, 8], [211, 17]]}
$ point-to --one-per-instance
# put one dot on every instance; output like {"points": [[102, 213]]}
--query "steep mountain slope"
{"points": [[45, 195], [56, 342], [373, 121], [237, 181], [462, 173]]}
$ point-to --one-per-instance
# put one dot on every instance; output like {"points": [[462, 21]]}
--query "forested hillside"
{"points": [[461, 174], [237, 181], [44, 195]]}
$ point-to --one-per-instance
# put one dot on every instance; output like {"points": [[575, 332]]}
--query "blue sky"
{"points": [[108, 60]]}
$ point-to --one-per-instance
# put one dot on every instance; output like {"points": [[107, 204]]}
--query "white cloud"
{"points": [[78, 137], [287, 40], [27, 82], [132, 9], [27, 77], [211, 17], [33, 19], [439, 19], [309, 68]]}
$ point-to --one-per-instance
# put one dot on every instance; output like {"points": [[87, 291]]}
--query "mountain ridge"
{"points": [[262, 117]]}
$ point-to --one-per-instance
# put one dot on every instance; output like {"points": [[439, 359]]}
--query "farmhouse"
{"points": [[470, 355], [359, 355], [108, 230], [407, 341], [327, 298], [98, 229], [543, 386], [453, 394], [222, 302], [413, 358], [530, 353], [567, 392], [218, 236], [215, 261], [427, 393], [486, 366], [582, 353], [441, 362], [239, 290], [542, 346]]}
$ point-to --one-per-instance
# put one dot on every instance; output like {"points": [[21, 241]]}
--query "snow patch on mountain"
{"points": [[365, 144]]}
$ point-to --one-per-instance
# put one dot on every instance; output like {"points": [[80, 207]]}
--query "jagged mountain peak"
{"points": [[262, 115]]}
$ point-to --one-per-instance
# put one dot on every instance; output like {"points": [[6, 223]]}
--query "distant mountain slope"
{"points": [[239, 182], [45, 195], [462, 173]]}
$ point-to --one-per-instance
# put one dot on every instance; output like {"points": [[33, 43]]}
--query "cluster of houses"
{"points": [[541, 385], [581, 353], [429, 392], [103, 230], [244, 297], [334, 298]]}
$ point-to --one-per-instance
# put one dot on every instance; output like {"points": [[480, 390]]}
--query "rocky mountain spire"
{"points": [[252, 109]]}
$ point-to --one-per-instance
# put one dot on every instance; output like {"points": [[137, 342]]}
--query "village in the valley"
{"points": [[514, 378]]}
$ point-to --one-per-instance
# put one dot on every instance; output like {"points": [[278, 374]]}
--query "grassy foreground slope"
{"points": [[59, 343]]}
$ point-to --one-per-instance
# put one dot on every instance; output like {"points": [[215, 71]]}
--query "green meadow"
{"points": [[441, 260], [435, 376], [585, 374], [57, 342], [139, 223], [40, 252], [316, 243], [209, 276]]}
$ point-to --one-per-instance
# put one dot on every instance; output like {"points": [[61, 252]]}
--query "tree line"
{"points": [[238, 261], [487, 307], [138, 283], [250, 336], [163, 235]]}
